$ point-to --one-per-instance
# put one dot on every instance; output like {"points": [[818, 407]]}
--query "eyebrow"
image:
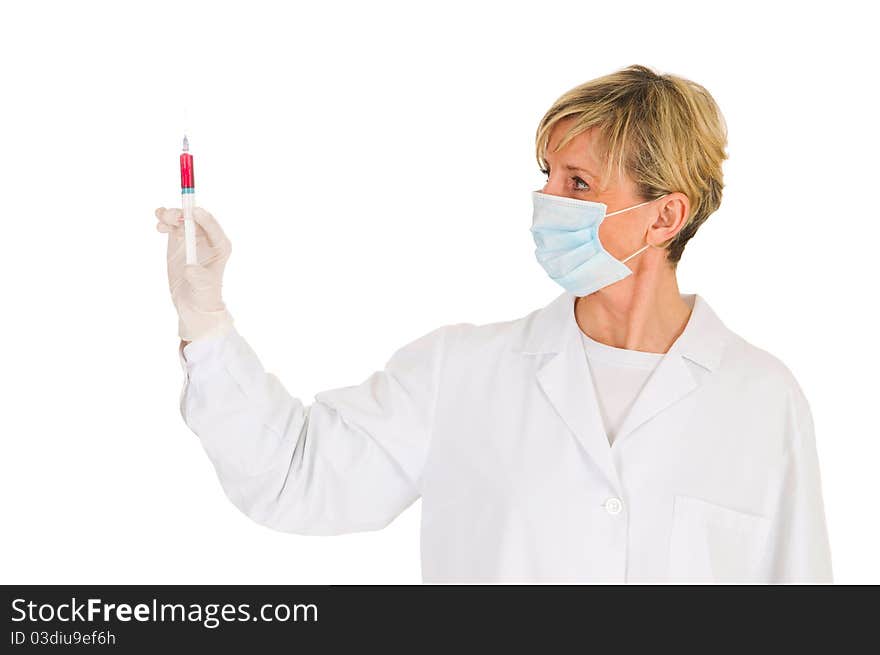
{"points": [[575, 168], [582, 170]]}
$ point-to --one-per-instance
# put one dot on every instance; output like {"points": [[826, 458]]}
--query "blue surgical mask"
{"points": [[566, 233]]}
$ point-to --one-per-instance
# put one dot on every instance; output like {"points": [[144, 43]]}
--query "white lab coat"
{"points": [[713, 476]]}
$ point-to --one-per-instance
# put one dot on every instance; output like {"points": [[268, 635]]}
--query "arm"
{"points": [[799, 549], [350, 461]]}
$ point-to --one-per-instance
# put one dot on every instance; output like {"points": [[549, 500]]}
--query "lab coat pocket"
{"points": [[713, 543]]}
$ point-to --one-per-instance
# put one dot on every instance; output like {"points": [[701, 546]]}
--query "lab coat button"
{"points": [[613, 505]]}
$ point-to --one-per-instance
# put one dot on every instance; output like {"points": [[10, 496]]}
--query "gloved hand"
{"points": [[195, 288]]}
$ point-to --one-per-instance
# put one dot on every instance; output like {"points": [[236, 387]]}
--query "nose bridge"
{"points": [[554, 185], [547, 188]]}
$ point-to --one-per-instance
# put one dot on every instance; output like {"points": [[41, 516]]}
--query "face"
{"points": [[573, 173]]}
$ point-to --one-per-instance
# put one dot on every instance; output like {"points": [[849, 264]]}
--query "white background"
{"points": [[372, 164]]}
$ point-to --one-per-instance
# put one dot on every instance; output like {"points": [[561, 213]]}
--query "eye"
{"points": [[577, 180]]}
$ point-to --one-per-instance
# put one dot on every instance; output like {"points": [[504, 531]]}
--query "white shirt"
{"points": [[713, 475], [618, 376]]}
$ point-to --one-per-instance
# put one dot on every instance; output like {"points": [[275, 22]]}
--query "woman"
{"points": [[619, 434]]}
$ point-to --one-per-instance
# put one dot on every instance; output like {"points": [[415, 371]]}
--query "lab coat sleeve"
{"points": [[799, 549], [351, 461]]}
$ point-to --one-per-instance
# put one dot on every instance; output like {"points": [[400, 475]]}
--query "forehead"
{"points": [[581, 148]]}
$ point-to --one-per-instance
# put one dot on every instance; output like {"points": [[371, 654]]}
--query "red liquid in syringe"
{"points": [[188, 201]]}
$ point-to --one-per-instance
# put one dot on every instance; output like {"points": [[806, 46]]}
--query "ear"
{"points": [[672, 211]]}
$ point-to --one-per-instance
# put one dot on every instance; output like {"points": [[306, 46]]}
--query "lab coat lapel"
{"points": [[669, 383], [568, 384], [565, 378], [693, 355]]}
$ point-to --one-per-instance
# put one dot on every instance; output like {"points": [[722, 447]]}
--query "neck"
{"points": [[644, 311]]}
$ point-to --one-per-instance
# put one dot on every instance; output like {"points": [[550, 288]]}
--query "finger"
{"points": [[169, 216], [215, 234], [164, 227]]}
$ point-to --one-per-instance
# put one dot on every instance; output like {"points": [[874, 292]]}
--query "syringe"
{"points": [[188, 200]]}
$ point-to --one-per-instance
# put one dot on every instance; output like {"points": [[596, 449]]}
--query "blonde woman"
{"points": [[619, 434]]}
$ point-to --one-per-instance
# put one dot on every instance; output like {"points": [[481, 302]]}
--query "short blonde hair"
{"points": [[664, 132]]}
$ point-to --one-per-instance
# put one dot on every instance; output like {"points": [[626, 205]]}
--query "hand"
{"points": [[196, 288]]}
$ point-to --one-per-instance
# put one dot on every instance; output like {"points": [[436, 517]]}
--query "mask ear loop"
{"points": [[619, 211], [647, 245], [637, 252]]}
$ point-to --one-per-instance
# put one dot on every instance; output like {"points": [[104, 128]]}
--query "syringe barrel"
{"points": [[187, 176], [188, 201]]}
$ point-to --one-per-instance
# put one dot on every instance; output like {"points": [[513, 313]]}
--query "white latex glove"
{"points": [[196, 288]]}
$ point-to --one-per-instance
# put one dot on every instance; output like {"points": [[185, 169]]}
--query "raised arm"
{"points": [[348, 462]]}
